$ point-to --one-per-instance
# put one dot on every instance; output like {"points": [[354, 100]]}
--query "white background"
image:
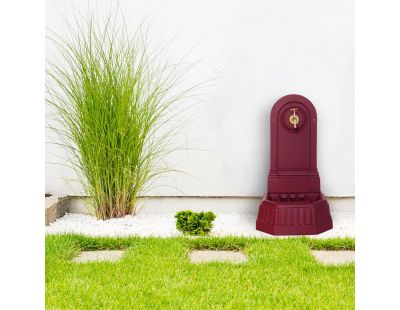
{"points": [[261, 50], [22, 157]]}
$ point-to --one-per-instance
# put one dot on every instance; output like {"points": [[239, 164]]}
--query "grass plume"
{"points": [[113, 102]]}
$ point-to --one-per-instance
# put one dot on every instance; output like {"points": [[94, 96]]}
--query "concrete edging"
{"points": [[57, 207]]}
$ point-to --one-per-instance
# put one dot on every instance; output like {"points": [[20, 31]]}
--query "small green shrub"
{"points": [[194, 224]]}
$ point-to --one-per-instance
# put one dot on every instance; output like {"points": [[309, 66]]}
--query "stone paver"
{"points": [[207, 256], [91, 256], [334, 257]]}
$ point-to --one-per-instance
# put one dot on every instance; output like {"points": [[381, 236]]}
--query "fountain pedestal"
{"points": [[293, 204]]}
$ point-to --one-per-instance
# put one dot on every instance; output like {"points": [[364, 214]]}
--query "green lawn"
{"points": [[156, 274]]}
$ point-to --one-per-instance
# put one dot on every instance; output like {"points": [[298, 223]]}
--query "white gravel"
{"points": [[163, 225]]}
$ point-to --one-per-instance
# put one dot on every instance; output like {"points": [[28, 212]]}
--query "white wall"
{"points": [[264, 49]]}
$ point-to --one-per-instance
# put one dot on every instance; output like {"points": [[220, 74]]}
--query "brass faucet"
{"points": [[294, 118]]}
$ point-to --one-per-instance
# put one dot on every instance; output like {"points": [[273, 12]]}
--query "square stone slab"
{"points": [[95, 256], [207, 256], [334, 257]]}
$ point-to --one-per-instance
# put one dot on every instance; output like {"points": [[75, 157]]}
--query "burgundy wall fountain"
{"points": [[293, 204]]}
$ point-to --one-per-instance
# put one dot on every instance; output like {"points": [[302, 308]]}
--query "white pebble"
{"points": [[163, 225]]}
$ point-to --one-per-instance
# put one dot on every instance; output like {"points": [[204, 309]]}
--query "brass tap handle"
{"points": [[294, 118]]}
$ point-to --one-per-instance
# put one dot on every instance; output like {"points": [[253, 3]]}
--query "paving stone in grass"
{"points": [[91, 256], [334, 257], [207, 256]]}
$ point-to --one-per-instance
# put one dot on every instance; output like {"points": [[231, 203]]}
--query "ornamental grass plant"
{"points": [[112, 103]]}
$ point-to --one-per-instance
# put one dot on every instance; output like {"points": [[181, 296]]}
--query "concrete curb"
{"points": [[57, 207]]}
